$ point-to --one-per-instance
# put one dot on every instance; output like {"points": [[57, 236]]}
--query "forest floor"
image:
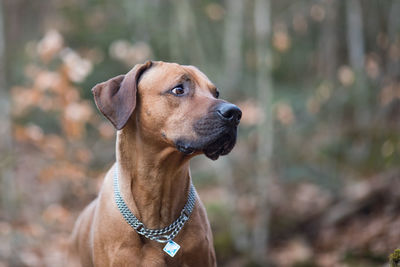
{"points": [[309, 227]]}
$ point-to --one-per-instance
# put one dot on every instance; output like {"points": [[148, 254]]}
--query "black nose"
{"points": [[230, 113]]}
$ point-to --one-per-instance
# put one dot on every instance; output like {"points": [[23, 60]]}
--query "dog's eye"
{"points": [[178, 90], [217, 94]]}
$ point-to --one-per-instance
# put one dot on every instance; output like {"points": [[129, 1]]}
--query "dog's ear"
{"points": [[116, 98]]}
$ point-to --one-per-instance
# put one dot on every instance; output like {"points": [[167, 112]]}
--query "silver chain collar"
{"points": [[160, 235]]}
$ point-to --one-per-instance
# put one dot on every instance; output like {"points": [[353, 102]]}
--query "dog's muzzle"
{"points": [[216, 132]]}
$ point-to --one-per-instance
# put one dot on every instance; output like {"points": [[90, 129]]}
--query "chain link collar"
{"points": [[163, 235]]}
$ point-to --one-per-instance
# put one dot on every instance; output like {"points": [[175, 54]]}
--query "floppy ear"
{"points": [[116, 98]]}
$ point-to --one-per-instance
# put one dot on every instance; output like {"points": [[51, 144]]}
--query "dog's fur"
{"points": [[158, 133]]}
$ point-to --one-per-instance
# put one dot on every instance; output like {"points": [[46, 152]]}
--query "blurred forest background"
{"points": [[314, 177]]}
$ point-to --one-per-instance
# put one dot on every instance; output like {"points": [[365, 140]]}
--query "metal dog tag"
{"points": [[171, 248]]}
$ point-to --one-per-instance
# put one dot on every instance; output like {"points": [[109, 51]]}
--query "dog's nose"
{"points": [[229, 112]]}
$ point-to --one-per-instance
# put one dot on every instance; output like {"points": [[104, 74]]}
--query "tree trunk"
{"points": [[393, 64], [7, 184], [262, 26], [233, 43], [187, 29], [355, 36], [355, 44], [232, 67], [238, 229], [327, 63]]}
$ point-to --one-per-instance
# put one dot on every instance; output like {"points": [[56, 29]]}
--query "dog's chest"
{"points": [[127, 253], [126, 248], [117, 244]]}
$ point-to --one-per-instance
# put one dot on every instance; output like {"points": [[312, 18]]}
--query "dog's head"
{"points": [[171, 105]]}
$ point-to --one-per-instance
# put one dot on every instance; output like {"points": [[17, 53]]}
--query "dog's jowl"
{"points": [[148, 212]]}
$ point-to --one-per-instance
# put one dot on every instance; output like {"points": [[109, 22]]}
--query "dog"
{"points": [[164, 114]]}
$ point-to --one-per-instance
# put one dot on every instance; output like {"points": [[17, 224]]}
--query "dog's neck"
{"points": [[154, 180]]}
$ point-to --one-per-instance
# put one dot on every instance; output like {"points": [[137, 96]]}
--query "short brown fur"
{"points": [[154, 176]]}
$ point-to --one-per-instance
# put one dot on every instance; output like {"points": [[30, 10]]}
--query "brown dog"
{"points": [[173, 114]]}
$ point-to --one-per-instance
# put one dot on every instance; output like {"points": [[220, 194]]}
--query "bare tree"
{"points": [[393, 65], [355, 44], [355, 36], [328, 42], [232, 66], [187, 29], [7, 185], [233, 42], [262, 26]]}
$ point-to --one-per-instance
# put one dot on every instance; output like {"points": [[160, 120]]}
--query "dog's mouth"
{"points": [[212, 148], [222, 146], [214, 139]]}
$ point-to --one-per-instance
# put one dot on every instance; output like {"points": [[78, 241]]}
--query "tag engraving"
{"points": [[171, 248]]}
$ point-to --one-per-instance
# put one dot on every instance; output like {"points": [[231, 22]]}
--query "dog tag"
{"points": [[171, 248]]}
